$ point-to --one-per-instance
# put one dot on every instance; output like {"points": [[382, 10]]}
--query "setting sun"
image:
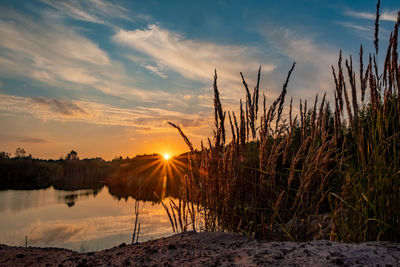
{"points": [[167, 156]]}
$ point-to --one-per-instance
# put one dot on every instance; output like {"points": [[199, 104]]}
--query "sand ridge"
{"points": [[211, 249]]}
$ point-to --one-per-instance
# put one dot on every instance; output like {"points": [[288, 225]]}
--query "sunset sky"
{"points": [[104, 77]]}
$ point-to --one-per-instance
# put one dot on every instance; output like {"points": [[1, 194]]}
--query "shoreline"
{"points": [[211, 249]]}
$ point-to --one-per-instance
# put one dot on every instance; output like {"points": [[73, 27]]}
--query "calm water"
{"points": [[83, 220]]}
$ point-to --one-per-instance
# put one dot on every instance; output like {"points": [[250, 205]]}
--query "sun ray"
{"points": [[149, 165], [175, 167], [178, 162], [156, 169]]}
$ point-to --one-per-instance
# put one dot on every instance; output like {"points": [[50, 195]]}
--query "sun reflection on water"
{"points": [[97, 222]]}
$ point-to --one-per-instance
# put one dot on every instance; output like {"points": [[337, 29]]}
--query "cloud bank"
{"points": [[142, 118], [195, 59]]}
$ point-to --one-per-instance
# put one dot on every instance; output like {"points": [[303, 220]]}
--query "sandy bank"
{"points": [[211, 249]]}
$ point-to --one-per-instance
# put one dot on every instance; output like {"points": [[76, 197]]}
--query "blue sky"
{"points": [[104, 77]]}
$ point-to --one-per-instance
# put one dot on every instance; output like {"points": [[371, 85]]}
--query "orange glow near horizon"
{"points": [[170, 168]]}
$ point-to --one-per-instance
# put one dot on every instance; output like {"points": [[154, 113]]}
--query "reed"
{"points": [[281, 178]]}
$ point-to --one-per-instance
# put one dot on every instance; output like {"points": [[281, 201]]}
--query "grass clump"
{"points": [[326, 172]]}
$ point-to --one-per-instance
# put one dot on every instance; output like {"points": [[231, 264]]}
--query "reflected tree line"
{"points": [[141, 177]]}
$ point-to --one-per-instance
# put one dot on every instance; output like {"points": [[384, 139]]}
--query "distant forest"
{"points": [[140, 177]]}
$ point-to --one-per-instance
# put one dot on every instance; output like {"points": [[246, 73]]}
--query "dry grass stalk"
{"points": [[344, 162], [376, 40]]}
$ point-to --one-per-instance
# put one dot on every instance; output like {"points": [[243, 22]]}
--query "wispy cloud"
{"points": [[156, 71], [361, 30], [32, 140], [66, 108], [313, 60], [385, 15], [142, 118], [354, 26], [22, 139], [47, 51], [194, 59], [96, 11]]}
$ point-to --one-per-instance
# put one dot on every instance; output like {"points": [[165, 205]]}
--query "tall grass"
{"points": [[280, 176]]}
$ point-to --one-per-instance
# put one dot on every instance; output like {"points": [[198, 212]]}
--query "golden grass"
{"points": [[275, 175]]}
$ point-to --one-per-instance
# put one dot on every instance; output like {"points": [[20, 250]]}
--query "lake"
{"points": [[82, 220]]}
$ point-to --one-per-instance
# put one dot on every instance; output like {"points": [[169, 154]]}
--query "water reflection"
{"points": [[19, 200], [71, 198], [83, 220]]}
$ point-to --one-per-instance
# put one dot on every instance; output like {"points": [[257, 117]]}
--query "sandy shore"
{"points": [[211, 249]]}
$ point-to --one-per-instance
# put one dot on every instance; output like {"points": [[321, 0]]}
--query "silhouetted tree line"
{"points": [[69, 173], [137, 177], [144, 175]]}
